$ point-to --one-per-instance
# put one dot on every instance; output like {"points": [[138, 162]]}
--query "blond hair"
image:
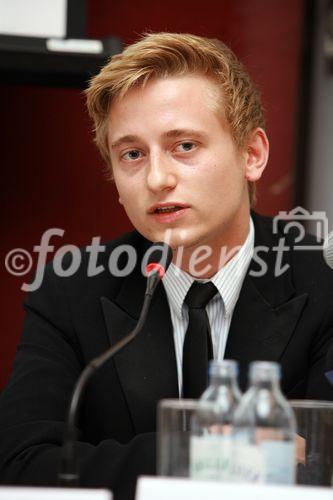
{"points": [[169, 54]]}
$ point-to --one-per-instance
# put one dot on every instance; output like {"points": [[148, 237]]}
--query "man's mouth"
{"points": [[167, 210]]}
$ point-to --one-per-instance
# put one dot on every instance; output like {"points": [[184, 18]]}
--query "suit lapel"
{"points": [[267, 311], [147, 366], [259, 331]]}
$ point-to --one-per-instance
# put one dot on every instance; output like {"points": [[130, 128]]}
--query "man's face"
{"points": [[176, 166]]}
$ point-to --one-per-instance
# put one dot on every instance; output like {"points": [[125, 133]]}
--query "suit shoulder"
{"points": [[93, 267], [302, 250]]}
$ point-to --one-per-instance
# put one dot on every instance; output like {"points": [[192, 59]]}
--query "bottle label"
{"points": [[210, 457], [248, 465], [279, 459], [271, 462]]}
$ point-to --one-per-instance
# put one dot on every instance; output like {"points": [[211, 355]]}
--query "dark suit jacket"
{"points": [[71, 320]]}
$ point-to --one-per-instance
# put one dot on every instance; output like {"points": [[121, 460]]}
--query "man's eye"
{"points": [[185, 146], [133, 154]]}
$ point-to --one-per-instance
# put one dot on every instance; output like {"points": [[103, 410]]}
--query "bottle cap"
{"points": [[224, 368], [264, 370]]}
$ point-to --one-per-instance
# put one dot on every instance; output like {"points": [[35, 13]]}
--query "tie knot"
{"points": [[200, 294]]}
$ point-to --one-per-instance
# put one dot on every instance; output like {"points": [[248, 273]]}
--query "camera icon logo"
{"points": [[295, 220]]}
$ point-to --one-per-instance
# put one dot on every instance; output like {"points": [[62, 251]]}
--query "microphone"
{"points": [[328, 256], [329, 365], [328, 250], [158, 262]]}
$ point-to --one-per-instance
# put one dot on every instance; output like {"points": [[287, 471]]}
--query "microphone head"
{"points": [[328, 250], [160, 257], [329, 364]]}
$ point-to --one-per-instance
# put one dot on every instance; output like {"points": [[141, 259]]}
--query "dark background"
{"points": [[51, 173]]}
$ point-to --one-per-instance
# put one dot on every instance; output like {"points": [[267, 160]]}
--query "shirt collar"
{"points": [[228, 280]]}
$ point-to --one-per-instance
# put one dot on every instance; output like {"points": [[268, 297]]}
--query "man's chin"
{"points": [[176, 239]]}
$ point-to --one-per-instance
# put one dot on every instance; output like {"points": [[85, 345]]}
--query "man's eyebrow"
{"points": [[173, 134], [178, 132], [126, 139]]}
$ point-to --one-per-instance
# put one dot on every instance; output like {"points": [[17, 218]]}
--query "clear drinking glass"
{"points": [[173, 436], [314, 442]]}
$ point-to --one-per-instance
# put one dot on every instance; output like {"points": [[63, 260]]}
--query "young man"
{"points": [[180, 124]]}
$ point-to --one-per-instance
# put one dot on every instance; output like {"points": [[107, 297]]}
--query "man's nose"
{"points": [[161, 173]]}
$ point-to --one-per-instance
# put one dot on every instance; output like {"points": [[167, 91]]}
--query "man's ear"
{"points": [[120, 201], [257, 151]]}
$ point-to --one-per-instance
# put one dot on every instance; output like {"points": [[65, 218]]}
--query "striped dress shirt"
{"points": [[228, 281]]}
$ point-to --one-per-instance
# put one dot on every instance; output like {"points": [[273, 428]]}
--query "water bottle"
{"points": [[211, 424], [264, 430]]}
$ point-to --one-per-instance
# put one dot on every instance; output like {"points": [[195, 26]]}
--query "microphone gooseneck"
{"points": [[158, 262]]}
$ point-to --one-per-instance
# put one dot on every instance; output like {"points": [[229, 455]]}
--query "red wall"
{"points": [[51, 173]]}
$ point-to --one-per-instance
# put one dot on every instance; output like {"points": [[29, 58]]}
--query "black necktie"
{"points": [[198, 349]]}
